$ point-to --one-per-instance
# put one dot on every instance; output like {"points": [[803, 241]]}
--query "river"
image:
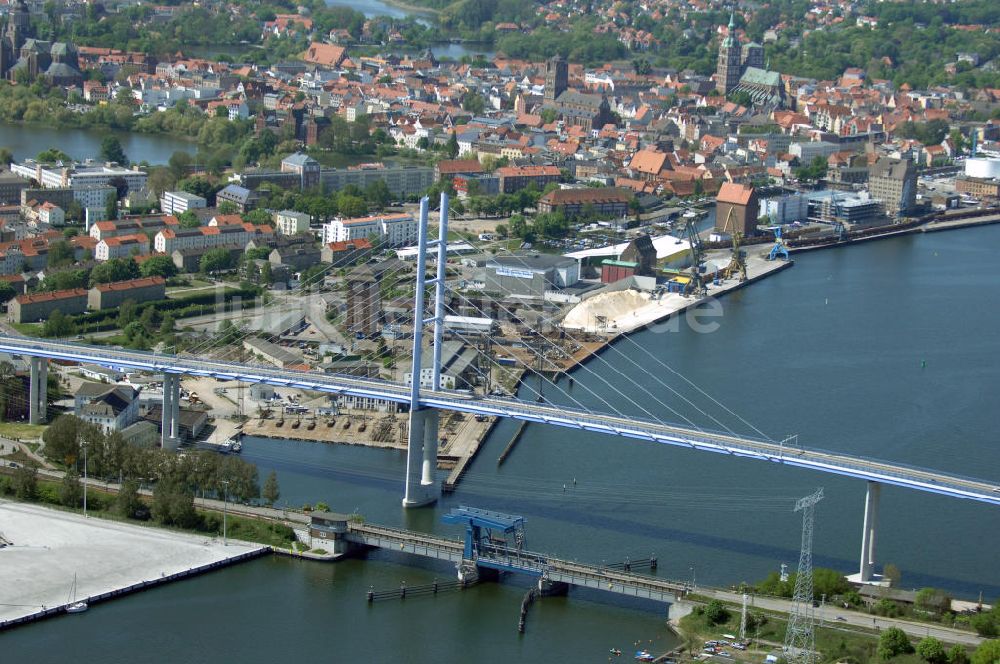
{"points": [[28, 140], [885, 349]]}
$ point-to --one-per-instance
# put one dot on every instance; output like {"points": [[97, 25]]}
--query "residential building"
{"points": [[51, 214], [208, 237], [122, 246], [11, 186], [605, 202], [34, 307], [515, 178], [392, 230], [176, 202], [894, 182], [244, 199], [101, 230], [109, 296], [111, 407], [289, 222], [346, 253], [78, 175], [451, 168]]}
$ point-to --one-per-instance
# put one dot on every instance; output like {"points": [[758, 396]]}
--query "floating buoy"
{"points": [[923, 364]]}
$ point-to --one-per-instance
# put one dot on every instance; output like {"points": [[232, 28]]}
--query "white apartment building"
{"points": [[176, 202], [208, 237], [289, 222], [122, 246], [394, 230], [78, 175]]}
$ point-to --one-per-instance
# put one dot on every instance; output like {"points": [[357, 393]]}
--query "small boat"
{"points": [[72, 605], [616, 652], [644, 656], [237, 447]]}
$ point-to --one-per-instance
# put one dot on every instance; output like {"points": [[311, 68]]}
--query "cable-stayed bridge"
{"points": [[421, 486]]}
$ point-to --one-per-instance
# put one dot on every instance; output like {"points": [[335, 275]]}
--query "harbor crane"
{"points": [[737, 262], [697, 282]]}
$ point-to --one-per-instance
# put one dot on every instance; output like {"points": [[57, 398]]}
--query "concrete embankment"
{"points": [[48, 548]]}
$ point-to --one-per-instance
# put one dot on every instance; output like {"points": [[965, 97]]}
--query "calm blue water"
{"points": [[28, 140], [831, 349]]}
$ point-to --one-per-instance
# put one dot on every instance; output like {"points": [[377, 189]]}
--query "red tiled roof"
{"points": [[33, 298], [144, 282]]}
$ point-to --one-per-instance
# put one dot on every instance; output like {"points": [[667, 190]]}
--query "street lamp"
{"points": [[225, 504], [84, 479]]}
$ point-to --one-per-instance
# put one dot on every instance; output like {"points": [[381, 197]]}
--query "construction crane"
{"points": [[697, 283], [737, 262], [779, 248]]}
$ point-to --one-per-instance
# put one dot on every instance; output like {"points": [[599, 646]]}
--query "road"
{"points": [[887, 472], [830, 615]]}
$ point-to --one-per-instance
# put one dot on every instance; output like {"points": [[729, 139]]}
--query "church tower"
{"points": [[730, 68], [556, 78]]}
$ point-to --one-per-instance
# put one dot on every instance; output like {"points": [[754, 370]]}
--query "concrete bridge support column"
{"points": [[548, 588], [866, 574], [171, 420], [421, 458], [38, 390]]}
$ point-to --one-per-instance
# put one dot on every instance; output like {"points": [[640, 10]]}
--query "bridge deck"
{"points": [[932, 481], [532, 564]]}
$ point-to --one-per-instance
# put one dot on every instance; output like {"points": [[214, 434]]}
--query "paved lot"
{"points": [[50, 546]]}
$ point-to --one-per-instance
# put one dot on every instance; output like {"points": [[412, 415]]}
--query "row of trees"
{"points": [[177, 479]]}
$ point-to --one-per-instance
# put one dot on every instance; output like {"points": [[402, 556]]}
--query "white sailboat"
{"points": [[72, 605]]}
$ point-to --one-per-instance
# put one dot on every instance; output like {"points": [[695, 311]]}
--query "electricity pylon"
{"points": [[800, 639]]}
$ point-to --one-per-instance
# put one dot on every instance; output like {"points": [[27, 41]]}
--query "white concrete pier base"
{"points": [[421, 459], [866, 573]]}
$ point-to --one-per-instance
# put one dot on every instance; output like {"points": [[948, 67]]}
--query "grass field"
{"points": [[21, 430]]}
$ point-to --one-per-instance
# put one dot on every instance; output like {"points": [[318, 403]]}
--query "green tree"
{"points": [[179, 164], [188, 219], [111, 150], [116, 269], [26, 481], [452, 146], [716, 613], [932, 651], [158, 266], [216, 260], [271, 492], [173, 502], [168, 324], [58, 325], [934, 600], [893, 642], [62, 439], [70, 489], [257, 217], [988, 652], [958, 655], [892, 574], [985, 624], [52, 155], [128, 504], [111, 206], [6, 157], [60, 253]]}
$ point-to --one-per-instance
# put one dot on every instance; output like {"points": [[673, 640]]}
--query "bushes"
{"points": [[893, 642], [716, 613]]}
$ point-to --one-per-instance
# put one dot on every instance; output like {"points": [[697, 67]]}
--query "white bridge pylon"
{"points": [[421, 451]]}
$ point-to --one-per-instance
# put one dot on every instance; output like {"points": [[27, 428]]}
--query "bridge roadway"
{"points": [[885, 472], [532, 564]]}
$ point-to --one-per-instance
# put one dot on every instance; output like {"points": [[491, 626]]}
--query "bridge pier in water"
{"points": [[866, 573], [38, 390], [170, 428], [421, 458]]}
